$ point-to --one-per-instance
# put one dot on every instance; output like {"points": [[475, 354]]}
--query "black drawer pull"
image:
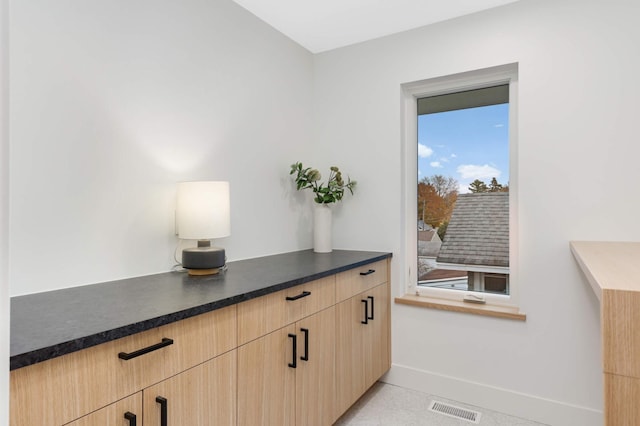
{"points": [[371, 298], [369, 272], [294, 346], [300, 296], [366, 311], [163, 410], [305, 357], [128, 356], [131, 417]]}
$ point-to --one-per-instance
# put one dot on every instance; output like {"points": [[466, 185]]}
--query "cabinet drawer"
{"points": [[64, 388], [265, 314], [354, 281]]}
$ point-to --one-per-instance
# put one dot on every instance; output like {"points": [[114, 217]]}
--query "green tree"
{"points": [[478, 186], [494, 186]]}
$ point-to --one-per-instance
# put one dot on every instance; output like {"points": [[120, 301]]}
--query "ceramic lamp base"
{"points": [[203, 257]]}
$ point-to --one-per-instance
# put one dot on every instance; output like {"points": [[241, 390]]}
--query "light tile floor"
{"points": [[389, 405]]}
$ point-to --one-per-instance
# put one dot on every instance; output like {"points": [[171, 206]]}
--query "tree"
{"points": [[436, 197], [443, 185], [478, 186], [494, 186], [430, 205], [442, 229]]}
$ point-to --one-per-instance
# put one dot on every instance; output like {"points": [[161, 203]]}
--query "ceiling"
{"points": [[321, 25]]}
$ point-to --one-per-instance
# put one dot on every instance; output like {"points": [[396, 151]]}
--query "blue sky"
{"points": [[465, 144]]}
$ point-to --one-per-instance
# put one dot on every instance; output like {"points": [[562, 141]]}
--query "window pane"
{"points": [[463, 190]]}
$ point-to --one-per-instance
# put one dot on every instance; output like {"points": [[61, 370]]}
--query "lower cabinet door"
{"points": [[204, 395], [362, 344], [377, 354], [126, 412], [266, 379], [350, 356], [315, 373]]}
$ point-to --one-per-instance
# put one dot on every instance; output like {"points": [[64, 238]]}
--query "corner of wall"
{"points": [[4, 209]]}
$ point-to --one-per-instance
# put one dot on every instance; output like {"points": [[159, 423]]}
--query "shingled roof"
{"points": [[478, 232]]}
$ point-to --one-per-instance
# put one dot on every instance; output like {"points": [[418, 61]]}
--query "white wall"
{"points": [[577, 165], [4, 211], [113, 102]]}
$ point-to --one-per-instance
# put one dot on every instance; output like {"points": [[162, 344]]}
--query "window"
{"points": [[459, 140]]}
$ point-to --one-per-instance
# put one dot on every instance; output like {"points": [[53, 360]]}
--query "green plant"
{"points": [[330, 192]]}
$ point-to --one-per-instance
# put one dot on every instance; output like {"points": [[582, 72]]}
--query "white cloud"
{"points": [[424, 151], [444, 160], [436, 164], [498, 125], [463, 189], [472, 171], [454, 156]]}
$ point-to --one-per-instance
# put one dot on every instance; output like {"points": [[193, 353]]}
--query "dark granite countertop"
{"points": [[54, 323]]}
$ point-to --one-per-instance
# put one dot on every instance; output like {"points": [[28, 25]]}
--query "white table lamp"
{"points": [[203, 213]]}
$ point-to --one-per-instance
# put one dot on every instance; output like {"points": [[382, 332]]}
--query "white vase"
{"points": [[322, 228]]}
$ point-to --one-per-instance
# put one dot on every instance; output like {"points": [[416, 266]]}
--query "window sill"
{"points": [[506, 312]]}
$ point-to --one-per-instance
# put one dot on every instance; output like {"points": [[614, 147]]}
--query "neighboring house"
{"points": [[429, 243], [428, 235], [477, 241]]}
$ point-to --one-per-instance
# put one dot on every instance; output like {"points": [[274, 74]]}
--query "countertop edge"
{"points": [[593, 282], [609, 266]]}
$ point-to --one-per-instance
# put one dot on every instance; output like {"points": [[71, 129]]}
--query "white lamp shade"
{"points": [[203, 210]]}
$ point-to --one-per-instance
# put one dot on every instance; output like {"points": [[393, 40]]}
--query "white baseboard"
{"points": [[516, 404]]}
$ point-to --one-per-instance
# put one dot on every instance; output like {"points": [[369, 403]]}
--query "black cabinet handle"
{"points": [[300, 296], [294, 357], [371, 298], [369, 272], [366, 311], [163, 410], [128, 356], [131, 417], [305, 357]]}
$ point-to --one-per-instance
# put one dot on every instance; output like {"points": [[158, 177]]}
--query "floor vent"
{"points": [[455, 412]]}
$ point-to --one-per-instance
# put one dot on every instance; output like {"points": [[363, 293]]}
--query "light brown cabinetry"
{"points": [[285, 377], [299, 356], [612, 269], [126, 412], [620, 315], [362, 334], [204, 395], [266, 384], [315, 373], [362, 345], [66, 388], [262, 315], [377, 352]]}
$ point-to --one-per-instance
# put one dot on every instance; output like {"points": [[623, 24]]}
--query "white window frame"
{"points": [[411, 92]]}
